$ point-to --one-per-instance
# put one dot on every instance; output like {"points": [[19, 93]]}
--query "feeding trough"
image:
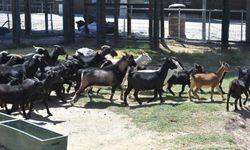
{"points": [[22, 135], [4, 118]]}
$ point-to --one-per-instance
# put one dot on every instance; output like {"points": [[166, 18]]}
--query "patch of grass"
{"points": [[173, 117], [206, 141]]}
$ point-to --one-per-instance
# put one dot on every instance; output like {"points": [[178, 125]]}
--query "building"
{"points": [[37, 6]]}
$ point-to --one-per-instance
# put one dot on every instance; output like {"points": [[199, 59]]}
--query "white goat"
{"points": [[85, 52], [141, 60]]}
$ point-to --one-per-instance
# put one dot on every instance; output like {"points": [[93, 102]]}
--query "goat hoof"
{"points": [[50, 114], [162, 101]]}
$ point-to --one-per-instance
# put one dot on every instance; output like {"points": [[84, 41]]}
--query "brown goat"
{"points": [[208, 80]]}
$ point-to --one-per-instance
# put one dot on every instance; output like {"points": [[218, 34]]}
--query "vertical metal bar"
{"points": [[51, 19], [241, 30], [179, 24], [209, 25], [8, 18], [124, 22], [41, 7], [116, 19], [204, 6]]}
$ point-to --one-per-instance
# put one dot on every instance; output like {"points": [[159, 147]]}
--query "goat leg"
{"points": [[126, 94], [47, 108], [81, 88], [169, 89], [24, 113], [182, 90], [136, 97], [121, 88], [240, 103], [221, 93], [221, 89], [112, 94], [160, 94], [89, 96], [246, 93], [98, 91], [155, 95], [69, 87], [30, 109], [196, 92], [228, 98], [235, 104]]}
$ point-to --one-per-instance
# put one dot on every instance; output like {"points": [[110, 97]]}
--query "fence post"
{"points": [[204, 13], [8, 18], [27, 17], [156, 24], [151, 14], [241, 29], [179, 24], [248, 22], [100, 21], [129, 15], [209, 25], [51, 19], [116, 19], [68, 21], [46, 15], [162, 14], [16, 23]]}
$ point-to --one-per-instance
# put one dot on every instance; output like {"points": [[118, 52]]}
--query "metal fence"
{"points": [[193, 24], [140, 22]]}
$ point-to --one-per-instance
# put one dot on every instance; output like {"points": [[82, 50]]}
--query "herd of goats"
{"points": [[27, 78]]}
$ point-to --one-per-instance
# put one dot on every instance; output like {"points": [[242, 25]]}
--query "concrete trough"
{"points": [[22, 135], [4, 118]]}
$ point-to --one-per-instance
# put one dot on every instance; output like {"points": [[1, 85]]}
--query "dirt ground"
{"points": [[92, 129], [97, 128]]}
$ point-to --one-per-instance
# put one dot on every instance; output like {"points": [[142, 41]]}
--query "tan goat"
{"points": [[212, 80]]}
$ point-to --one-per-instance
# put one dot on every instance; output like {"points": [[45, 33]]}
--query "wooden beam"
{"points": [[116, 19], [225, 25], [46, 12], [248, 22], [129, 17], [68, 21], [151, 16], [16, 26], [27, 17], [100, 22], [156, 24], [162, 14]]}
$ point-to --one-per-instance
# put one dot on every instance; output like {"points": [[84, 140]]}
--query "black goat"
{"points": [[109, 76], [19, 94], [21, 71], [148, 80], [183, 78], [237, 88], [4, 57]]}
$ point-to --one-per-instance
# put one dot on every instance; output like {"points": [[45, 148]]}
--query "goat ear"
{"points": [[196, 65]]}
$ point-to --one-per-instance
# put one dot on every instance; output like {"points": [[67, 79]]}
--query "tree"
{"points": [[225, 25]]}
